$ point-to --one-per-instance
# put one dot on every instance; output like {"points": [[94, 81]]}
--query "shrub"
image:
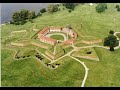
{"points": [[16, 23], [52, 8], [31, 20], [31, 15], [11, 22], [117, 6], [69, 11], [39, 14], [69, 5], [111, 32], [101, 7], [58, 5], [19, 18], [22, 22], [28, 55], [23, 56], [43, 10], [118, 9]]}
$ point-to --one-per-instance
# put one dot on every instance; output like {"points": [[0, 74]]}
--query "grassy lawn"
{"points": [[57, 37], [31, 72], [118, 34], [68, 49], [81, 44], [105, 72], [83, 53], [26, 52]]}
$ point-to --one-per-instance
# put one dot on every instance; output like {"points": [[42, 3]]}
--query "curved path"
{"points": [[86, 70]]}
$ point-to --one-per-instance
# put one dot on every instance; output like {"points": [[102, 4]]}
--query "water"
{"points": [[8, 9]]}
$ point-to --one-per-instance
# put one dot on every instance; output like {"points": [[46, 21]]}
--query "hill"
{"points": [[33, 72]]}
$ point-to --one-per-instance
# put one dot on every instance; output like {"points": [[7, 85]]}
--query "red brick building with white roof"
{"points": [[42, 35]]}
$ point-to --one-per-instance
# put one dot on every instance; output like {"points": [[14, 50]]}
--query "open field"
{"points": [[106, 72], [87, 53], [57, 37], [33, 72]]}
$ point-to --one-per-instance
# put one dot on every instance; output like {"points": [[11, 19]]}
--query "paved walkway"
{"points": [[86, 70]]}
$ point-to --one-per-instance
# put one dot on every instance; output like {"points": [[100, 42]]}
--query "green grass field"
{"points": [[106, 72], [57, 37], [31, 72], [82, 53], [118, 34]]}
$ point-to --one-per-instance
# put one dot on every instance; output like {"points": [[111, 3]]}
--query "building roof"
{"points": [[44, 31], [55, 28], [69, 41]]}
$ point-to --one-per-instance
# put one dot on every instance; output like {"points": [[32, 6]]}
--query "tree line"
{"points": [[22, 16]]}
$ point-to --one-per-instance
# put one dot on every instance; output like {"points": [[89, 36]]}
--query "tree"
{"points": [[69, 5], [117, 6], [19, 18], [118, 9], [31, 15], [15, 16], [111, 41], [39, 14], [111, 32], [69, 11], [101, 7], [55, 8], [43, 10], [52, 8], [24, 14]]}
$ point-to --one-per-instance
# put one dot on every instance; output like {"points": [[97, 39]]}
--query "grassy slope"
{"points": [[106, 72], [94, 24], [30, 72]]}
